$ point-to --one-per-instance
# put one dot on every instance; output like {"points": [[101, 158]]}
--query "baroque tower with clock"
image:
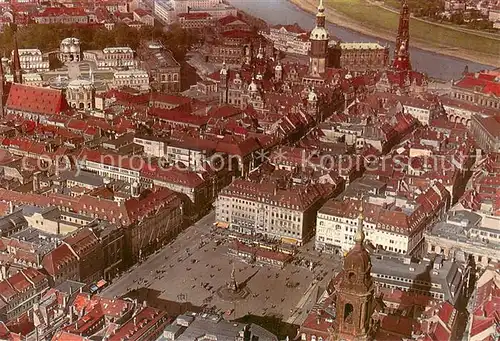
{"points": [[355, 293], [319, 44]]}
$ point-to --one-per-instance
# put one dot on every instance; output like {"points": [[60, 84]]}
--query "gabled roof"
{"points": [[56, 260], [36, 100], [295, 28]]}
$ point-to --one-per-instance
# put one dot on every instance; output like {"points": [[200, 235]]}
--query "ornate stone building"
{"points": [[69, 50], [80, 94], [401, 60], [164, 70], [319, 38]]}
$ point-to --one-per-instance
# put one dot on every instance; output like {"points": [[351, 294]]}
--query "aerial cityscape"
{"points": [[248, 170]]}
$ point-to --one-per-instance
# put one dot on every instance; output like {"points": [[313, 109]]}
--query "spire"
{"points": [[359, 238], [16, 62], [320, 16], [321, 8], [2, 89], [402, 51]]}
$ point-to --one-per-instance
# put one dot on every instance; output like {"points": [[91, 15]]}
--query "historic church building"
{"points": [[355, 302]]}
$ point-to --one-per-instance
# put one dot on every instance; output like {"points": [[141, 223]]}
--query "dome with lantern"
{"points": [[320, 33], [70, 45], [80, 84]]}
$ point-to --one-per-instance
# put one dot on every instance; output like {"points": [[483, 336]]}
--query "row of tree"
{"points": [[48, 37]]}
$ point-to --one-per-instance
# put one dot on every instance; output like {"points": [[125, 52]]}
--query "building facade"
{"points": [[283, 214], [20, 292], [164, 70], [32, 60], [136, 79], [465, 234], [360, 57], [486, 132], [481, 88], [112, 57], [398, 231], [80, 94]]}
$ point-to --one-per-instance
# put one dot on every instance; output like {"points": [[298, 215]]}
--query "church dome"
{"points": [[357, 260], [80, 84], [319, 33]]}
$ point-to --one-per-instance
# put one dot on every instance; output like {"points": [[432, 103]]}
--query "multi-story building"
{"points": [[28, 247], [390, 224], [289, 38], [184, 6], [135, 79], [360, 57], [154, 146], [149, 219], [481, 88], [62, 15], [111, 57], [30, 79], [423, 110], [144, 17], [190, 326], [465, 234], [87, 247], [196, 20], [20, 292], [61, 264], [164, 70], [486, 132], [32, 60], [440, 279], [483, 321], [164, 10], [218, 11], [285, 214], [459, 111]]}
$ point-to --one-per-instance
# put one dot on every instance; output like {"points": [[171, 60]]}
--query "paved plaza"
{"points": [[187, 270]]}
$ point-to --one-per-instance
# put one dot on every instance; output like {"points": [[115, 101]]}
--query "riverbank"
{"points": [[372, 17]]}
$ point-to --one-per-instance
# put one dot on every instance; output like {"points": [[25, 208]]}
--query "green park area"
{"points": [[382, 20]]}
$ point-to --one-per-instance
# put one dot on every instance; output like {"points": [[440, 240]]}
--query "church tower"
{"points": [[17, 73], [402, 51], [355, 290], [319, 43], [223, 85], [2, 89]]}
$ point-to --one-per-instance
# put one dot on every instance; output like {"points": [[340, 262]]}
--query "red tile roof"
{"points": [[36, 100], [148, 321], [195, 15], [229, 19], [60, 11], [57, 260], [480, 82], [142, 12]]}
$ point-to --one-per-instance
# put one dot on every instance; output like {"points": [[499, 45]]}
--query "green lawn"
{"points": [[381, 19]]}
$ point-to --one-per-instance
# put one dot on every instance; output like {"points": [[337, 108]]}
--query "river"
{"points": [[284, 12]]}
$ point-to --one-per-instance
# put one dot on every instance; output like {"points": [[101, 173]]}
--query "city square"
{"points": [[184, 271]]}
